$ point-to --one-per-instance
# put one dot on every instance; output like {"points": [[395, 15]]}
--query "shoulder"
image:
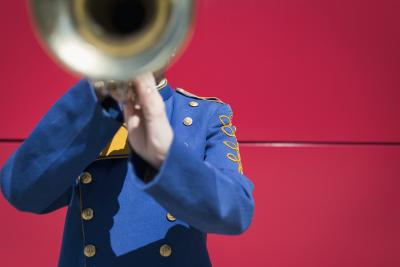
{"points": [[209, 105], [193, 96]]}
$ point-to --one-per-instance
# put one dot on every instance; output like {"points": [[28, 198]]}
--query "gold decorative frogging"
{"points": [[230, 130]]}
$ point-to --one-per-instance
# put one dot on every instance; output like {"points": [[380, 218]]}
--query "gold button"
{"points": [[193, 104], [89, 250], [170, 217], [87, 214], [86, 178], [165, 250], [188, 121]]}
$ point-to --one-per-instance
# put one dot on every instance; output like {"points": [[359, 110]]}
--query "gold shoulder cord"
{"points": [[228, 129]]}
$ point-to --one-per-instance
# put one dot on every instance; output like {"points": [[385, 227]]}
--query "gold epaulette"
{"points": [[209, 98]]}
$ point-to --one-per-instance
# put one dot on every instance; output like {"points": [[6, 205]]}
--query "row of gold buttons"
{"points": [[188, 120], [87, 214], [166, 250]]}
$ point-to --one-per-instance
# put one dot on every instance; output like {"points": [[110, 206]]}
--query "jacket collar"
{"points": [[165, 89]]}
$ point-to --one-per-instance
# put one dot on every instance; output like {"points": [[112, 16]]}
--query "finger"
{"points": [[128, 106], [148, 96], [132, 116], [114, 92]]}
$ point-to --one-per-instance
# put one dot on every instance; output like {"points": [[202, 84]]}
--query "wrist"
{"points": [[163, 152]]}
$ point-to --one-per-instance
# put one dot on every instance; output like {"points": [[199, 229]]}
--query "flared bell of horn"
{"points": [[113, 39]]}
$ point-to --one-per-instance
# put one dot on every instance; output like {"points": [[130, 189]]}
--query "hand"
{"points": [[108, 88], [149, 132]]}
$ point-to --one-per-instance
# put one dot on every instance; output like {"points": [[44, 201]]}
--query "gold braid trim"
{"points": [[228, 129], [209, 98]]}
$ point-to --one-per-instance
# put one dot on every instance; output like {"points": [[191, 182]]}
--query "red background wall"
{"points": [[314, 89]]}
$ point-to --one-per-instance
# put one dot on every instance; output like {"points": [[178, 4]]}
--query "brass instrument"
{"points": [[113, 39]]}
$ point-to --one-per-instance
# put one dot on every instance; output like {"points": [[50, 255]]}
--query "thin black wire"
{"points": [[12, 140]]}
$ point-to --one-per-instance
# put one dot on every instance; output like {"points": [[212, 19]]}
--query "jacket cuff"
{"points": [[141, 168], [147, 177]]}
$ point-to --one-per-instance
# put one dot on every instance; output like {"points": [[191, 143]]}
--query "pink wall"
{"points": [[313, 83]]}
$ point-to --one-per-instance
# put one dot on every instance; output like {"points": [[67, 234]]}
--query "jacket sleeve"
{"points": [[40, 174], [212, 194]]}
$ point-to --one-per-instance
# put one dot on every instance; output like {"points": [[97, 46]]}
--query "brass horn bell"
{"points": [[113, 39]]}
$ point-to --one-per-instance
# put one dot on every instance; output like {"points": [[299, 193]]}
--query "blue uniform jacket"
{"points": [[121, 212]]}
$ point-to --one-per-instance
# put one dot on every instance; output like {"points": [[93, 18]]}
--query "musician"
{"points": [[144, 180]]}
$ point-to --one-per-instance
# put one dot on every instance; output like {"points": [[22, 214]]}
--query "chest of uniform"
{"points": [[188, 119]]}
